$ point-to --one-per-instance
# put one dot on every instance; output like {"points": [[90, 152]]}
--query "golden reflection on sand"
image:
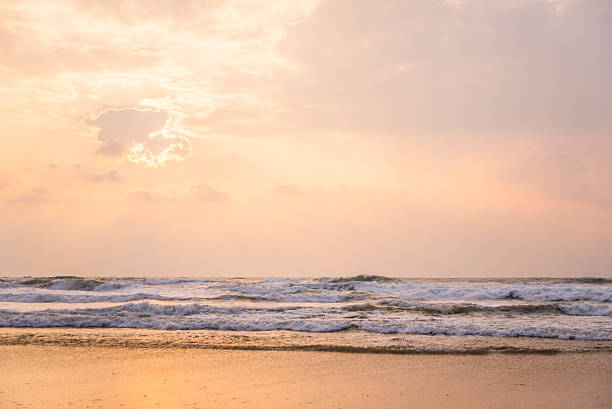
{"points": [[94, 377]]}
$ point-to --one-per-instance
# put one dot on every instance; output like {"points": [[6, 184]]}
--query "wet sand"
{"points": [[50, 376], [341, 341]]}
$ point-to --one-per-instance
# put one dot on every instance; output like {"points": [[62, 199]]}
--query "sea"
{"points": [[362, 313]]}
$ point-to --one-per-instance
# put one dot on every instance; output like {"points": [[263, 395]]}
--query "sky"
{"points": [[306, 137]]}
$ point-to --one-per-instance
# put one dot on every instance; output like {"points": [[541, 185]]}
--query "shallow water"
{"points": [[562, 309]]}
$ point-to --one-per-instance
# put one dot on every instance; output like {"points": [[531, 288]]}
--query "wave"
{"points": [[544, 308], [297, 318], [50, 297], [301, 325], [384, 306], [581, 308], [149, 309], [586, 309], [330, 290], [361, 278], [525, 292], [507, 330], [47, 297], [67, 283]]}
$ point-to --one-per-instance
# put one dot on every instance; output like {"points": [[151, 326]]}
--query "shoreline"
{"points": [[283, 340]]}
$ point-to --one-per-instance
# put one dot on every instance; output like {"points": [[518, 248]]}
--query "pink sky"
{"points": [[306, 137]]}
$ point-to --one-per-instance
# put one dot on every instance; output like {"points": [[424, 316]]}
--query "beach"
{"points": [[329, 342], [55, 376]]}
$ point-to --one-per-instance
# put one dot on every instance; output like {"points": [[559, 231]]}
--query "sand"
{"points": [[34, 376]]}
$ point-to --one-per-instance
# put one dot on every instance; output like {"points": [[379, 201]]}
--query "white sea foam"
{"points": [[49, 297], [526, 292], [587, 309]]}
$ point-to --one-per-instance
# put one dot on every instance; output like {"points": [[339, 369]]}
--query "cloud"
{"points": [[137, 11], [416, 68], [110, 176], [34, 196], [116, 53], [142, 196], [205, 193], [140, 136], [111, 148], [561, 176]]}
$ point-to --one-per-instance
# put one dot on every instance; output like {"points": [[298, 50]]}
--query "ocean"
{"points": [[362, 312]]}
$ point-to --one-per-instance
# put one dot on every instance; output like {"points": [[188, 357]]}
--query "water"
{"points": [[368, 307]]}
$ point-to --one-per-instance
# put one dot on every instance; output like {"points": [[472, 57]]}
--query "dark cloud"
{"points": [[138, 134], [110, 176], [121, 128], [111, 148]]}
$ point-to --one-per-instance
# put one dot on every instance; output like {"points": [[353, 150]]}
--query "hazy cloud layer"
{"points": [[306, 136], [414, 68], [565, 177]]}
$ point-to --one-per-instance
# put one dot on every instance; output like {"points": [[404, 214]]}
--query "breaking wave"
{"points": [[196, 316], [545, 308]]}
